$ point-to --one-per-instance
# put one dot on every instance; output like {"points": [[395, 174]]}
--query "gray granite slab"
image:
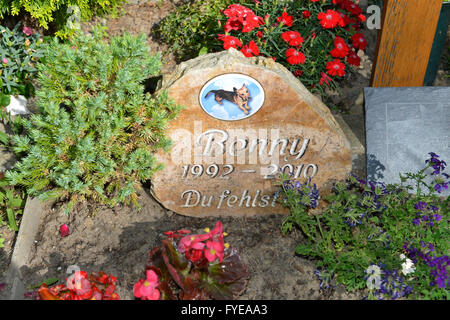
{"points": [[402, 126]]}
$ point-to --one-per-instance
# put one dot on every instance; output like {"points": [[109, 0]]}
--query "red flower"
{"points": [[177, 234], [339, 3], [229, 41], [192, 242], [236, 11], [361, 18], [214, 250], [352, 7], [286, 19], [335, 67], [250, 50], [340, 48], [64, 230], [96, 294], [359, 42], [298, 73], [250, 22], [293, 38], [345, 19], [79, 283], [324, 78], [259, 34], [294, 57], [330, 19], [306, 14], [146, 289], [232, 24], [240, 16], [217, 231], [194, 255], [353, 59]]}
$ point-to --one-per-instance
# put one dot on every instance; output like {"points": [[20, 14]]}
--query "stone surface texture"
{"points": [[402, 126], [289, 109]]}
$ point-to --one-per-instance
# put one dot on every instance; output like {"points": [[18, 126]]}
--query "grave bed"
{"points": [[118, 240]]}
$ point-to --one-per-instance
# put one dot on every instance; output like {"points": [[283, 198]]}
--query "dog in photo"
{"points": [[240, 97]]}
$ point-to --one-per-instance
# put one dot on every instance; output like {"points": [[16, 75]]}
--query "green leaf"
{"points": [[5, 100], [203, 50], [11, 219], [4, 138], [48, 282]]}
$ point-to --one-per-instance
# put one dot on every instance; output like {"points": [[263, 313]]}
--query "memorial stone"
{"points": [[244, 121]]}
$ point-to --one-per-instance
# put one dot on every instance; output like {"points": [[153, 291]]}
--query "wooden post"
{"points": [[404, 43]]}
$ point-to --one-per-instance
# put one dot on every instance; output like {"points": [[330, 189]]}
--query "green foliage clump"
{"points": [[12, 202], [192, 27], [97, 129], [372, 226], [63, 13], [20, 49]]}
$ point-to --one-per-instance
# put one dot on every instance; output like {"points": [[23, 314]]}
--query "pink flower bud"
{"points": [[28, 31], [5, 61]]}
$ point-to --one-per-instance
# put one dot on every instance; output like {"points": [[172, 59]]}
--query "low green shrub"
{"points": [[64, 14], [97, 129], [377, 236], [193, 27]]}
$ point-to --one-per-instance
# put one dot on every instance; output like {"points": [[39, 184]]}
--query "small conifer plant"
{"points": [[97, 130]]}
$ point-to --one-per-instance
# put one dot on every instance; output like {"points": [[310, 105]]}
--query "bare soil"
{"points": [[118, 241]]}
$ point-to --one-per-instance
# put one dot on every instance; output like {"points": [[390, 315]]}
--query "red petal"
{"points": [[64, 230]]}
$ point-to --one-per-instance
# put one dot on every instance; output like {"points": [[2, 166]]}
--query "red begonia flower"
{"points": [[192, 242], [214, 250], [146, 289], [79, 283]]}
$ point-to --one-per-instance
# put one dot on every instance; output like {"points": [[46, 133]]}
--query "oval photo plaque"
{"points": [[231, 97]]}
